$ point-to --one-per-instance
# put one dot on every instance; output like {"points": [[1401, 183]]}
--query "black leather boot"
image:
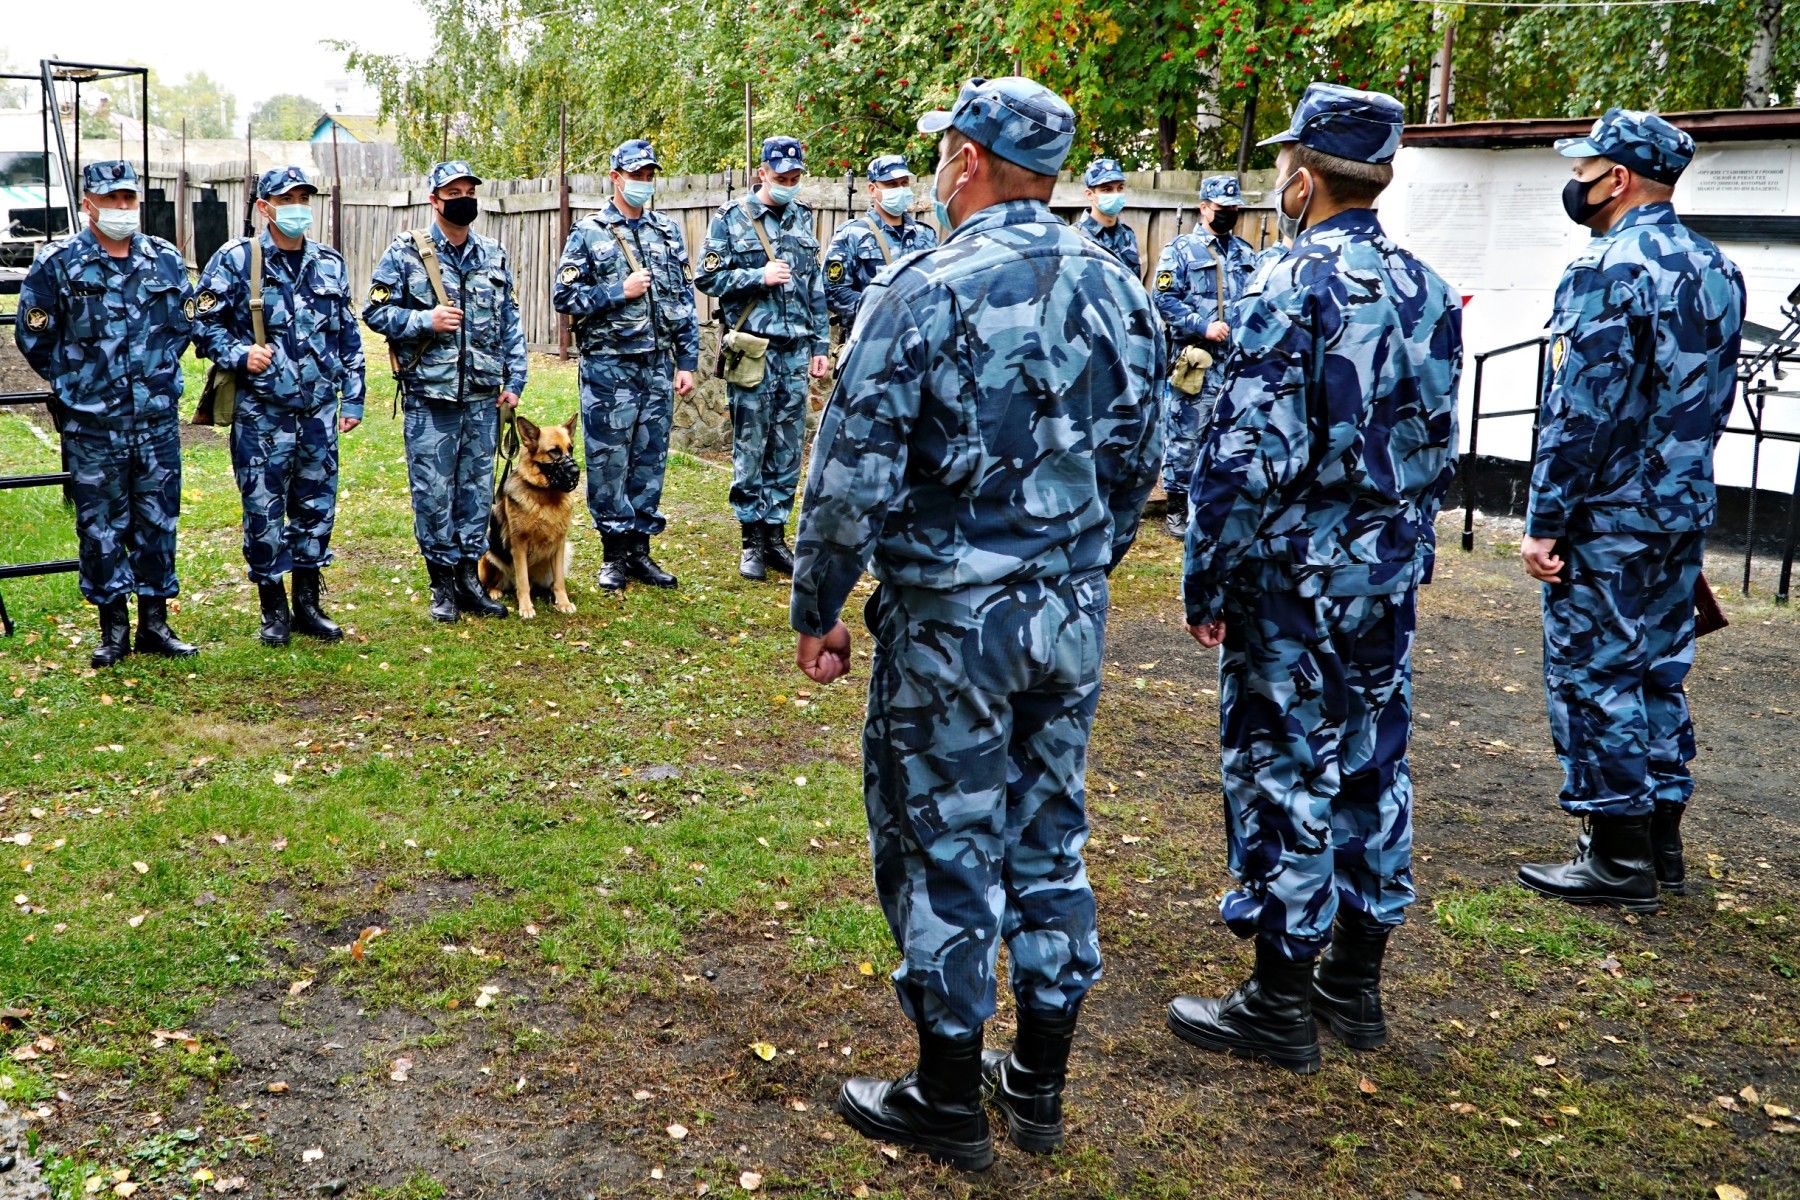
{"points": [[1027, 1085], [1613, 868], [276, 619], [612, 577], [1665, 844], [750, 562], [1346, 990], [309, 618], [115, 633], [1268, 1017], [1176, 520], [154, 635], [443, 591], [935, 1108], [776, 555], [471, 597], [641, 567]]}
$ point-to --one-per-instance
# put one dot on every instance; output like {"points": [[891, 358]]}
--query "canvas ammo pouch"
{"points": [[218, 398], [1189, 373]]}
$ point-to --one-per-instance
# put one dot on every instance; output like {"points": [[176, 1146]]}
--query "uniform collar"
{"points": [[444, 244], [1661, 212], [309, 249], [881, 225], [610, 215], [1351, 220], [1007, 212], [758, 209], [90, 249]]}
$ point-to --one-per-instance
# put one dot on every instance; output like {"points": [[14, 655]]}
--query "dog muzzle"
{"points": [[561, 473]]}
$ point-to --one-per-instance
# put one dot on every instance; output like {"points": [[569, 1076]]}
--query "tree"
{"points": [[285, 118], [209, 110]]}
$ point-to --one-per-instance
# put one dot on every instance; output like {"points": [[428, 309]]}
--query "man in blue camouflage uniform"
{"points": [[1638, 386], [1314, 499], [784, 301], [861, 249], [104, 317], [624, 279], [987, 451], [460, 364], [1105, 189], [296, 393], [1189, 274]]}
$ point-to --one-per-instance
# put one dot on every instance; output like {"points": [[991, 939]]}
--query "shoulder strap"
{"points": [[624, 248], [887, 256], [256, 291], [427, 249], [1219, 271], [760, 235]]}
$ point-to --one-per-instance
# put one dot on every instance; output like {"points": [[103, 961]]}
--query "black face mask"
{"points": [[1576, 203], [561, 473], [461, 210], [1224, 221]]}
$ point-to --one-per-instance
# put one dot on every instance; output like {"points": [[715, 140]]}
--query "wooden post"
{"points": [[1445, 64], [562, 207], [337, 192], [444, 151], [182, 225], [249, 184], [749, 138]]}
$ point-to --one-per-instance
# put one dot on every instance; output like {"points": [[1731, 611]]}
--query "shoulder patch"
{"points": [[379, 293], [712, 261], [1559, 350], [834, 270], [189, 307], [1165, 280], [207, 301], [570, 273], [37, 320]]}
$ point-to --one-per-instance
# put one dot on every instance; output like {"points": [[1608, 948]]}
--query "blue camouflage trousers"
{"points": [[127, 487], [1185, 419], [974, 769], [450, 468], [768, 423], [627, 406], [1315, 709], [286, 464], [1618, 642]]}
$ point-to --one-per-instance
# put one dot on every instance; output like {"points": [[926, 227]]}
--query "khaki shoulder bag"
{"points": [[1188, 376], [742, 356], [218, 398]]}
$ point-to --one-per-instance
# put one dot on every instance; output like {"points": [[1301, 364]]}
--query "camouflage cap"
{"points": [[1222, 190], [1641, 141], [1023, 122], [279, 181], [109, 175], [634, 155], [885, 168], [450, 172], [1345, 122], [1103, 170], [784, 154]]}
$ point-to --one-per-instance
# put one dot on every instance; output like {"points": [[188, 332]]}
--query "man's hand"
{"points": [[820, 368], [346, 424], [636, 284], [1209, 633], [508, 400], [684, 383], [827, 658], [257, 361], [777, 273], [1218, 331], [1542, 562], [446, 319]]}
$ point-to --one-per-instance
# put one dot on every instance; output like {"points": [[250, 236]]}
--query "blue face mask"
{"points": [[637, 192], [895, 201], [293, 219], [1110, 203], [942, 207], [783, 194]]}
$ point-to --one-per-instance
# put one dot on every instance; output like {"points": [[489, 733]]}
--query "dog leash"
{"points": [[509, 442]]}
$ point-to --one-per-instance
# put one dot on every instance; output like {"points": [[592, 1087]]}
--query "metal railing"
{"points": [[1471, 470]]}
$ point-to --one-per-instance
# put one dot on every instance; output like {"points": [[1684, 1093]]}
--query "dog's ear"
{"points": [[572, 422], [528, 432]]}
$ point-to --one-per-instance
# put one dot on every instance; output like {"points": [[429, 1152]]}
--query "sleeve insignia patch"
{"points": [[37, 320], [379, 293], [189, 307], [712, 262], [570, 274], [1559, 350], [834, 270], [208, 301], [1165, 280]]}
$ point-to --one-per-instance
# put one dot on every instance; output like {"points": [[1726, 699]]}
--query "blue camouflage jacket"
{"points": [[1638, 383], [1335, 437], [108, 333], [854, 258], [308, 317], [590, 286], [1119, 239], [732, 270], [1187, 288], [992, 422], [477, 362]]}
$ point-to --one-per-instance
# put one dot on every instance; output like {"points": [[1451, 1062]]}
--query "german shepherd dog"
{"points": [[528, 526]]}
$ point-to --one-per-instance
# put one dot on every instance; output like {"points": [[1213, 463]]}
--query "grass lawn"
{"points": [[580, 907]]}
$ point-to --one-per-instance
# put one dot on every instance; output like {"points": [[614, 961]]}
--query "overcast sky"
{"points": [[175, 37]]}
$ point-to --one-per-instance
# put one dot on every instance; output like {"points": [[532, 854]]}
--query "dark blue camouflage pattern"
{"points": [[854, 258], [1118, 239], [1023, 122], [1345, 122], [627, 409], [450, 172], [285, 461], [986, 453], [450, 472], [1102, 170], [127, 490], [1221, 189], [1642, 141], [1186, 290], [472, 365], [279, 181], [109, 175], [768, 423]]}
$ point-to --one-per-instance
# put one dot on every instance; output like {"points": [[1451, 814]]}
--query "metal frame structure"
{"points": [[50, 73], [1471, 471]]}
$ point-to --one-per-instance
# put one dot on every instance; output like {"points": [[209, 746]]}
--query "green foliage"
{"points": [[287, 117]]}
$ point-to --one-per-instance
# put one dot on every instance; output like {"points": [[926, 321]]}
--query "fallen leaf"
{"points": [[1512, 1122], [279, 1087], [125, 1187], [892, 1153], [797, 1105], [1701, 1121], [641, 1094], [1464, 1108], [1726, 1191], [360, 947], [860, 1191], [298, 986], [234, 1184], [400, 1068], [762, 1050], [677, 1131], [142, 868], [1749, 1092], [134, 922], [865, 968], [1728, 1103], [1544, 1060], [1366, 1086], [1778, 1110], [749, 1181], [1569, 1110], [313, 1155]]}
